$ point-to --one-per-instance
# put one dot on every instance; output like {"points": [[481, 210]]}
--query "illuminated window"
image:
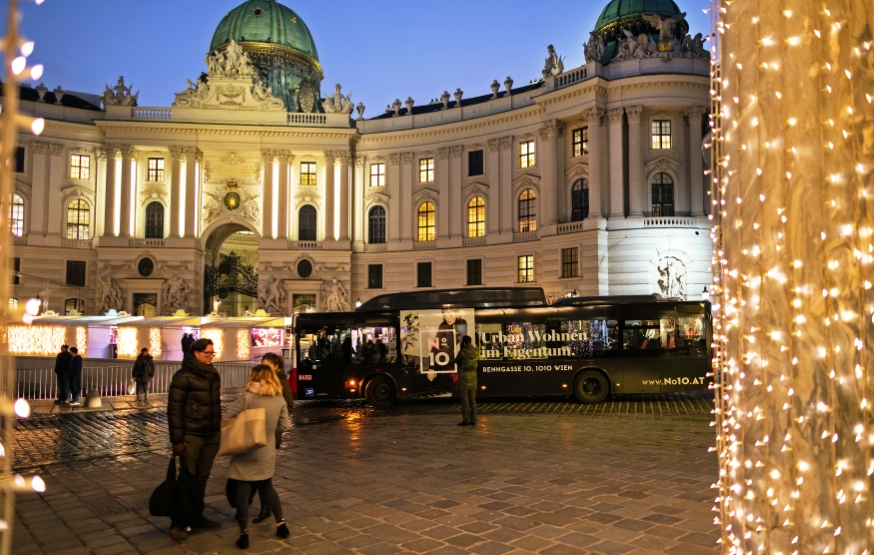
{"points": [[78, 219], [526, 154], [16, 215], [376, 225], [475, 164], [476, 217], [581, 141], [526, 269], [662, 195], [155, 220], [475, 272], [580, 200], [80, 166], [307, 173], [426, 222], [377, 175], [527, 211], [156, 170], [423, 274], [306, 225], [426, 170], [661, 133], [570, 263]]}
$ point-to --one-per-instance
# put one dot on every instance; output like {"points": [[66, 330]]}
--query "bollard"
{"points": [[92, 400]]}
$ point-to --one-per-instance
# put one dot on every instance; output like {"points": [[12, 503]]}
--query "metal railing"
{"points": [[40, 384]]}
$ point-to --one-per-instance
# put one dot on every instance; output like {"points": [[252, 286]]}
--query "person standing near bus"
{"points": [[467, 361]]}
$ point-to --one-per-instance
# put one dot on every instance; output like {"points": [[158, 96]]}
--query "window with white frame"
{"points": [[80, 166], [526, 268], [526, 154], [426, 170], [377, 175]]}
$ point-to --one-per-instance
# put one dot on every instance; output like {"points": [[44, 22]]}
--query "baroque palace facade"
{"points": [[257, 190]]}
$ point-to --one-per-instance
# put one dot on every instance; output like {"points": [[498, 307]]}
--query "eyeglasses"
{"points": [[209, 353]]}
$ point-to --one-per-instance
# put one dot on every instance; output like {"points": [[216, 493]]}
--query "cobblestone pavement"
{"points": [[68, 436], [412, 482]]}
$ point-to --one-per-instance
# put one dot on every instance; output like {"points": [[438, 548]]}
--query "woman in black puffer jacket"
{"points": [[194, 414]]}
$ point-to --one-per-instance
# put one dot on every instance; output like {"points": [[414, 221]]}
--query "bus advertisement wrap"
{"points": [[432, 338]]}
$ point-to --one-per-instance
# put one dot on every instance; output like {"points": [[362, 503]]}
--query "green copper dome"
{"points": [[266, 22], [619, 10]]}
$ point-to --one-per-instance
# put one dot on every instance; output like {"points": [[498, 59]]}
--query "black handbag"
{"points": [[177, 497], [231, 492]]}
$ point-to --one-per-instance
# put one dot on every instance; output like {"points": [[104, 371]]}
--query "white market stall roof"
{"points": [[85, 320]]}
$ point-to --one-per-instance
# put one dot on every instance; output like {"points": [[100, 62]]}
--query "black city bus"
{"points": [[590, 347]]}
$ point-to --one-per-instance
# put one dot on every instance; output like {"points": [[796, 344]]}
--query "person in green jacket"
{"points": [[467, 361]]}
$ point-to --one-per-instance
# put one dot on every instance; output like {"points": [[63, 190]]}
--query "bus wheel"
{"points": [[380, 393], [591, 387]]}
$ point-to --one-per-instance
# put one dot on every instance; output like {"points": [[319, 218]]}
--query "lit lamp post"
{"points": [[705, 294], [358, 302]]}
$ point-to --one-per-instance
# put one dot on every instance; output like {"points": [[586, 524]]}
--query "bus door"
{"points": [[687, 349], [646, 349], [322, 354]]}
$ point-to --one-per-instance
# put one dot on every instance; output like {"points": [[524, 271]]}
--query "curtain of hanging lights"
{"points": [[793, 155]]}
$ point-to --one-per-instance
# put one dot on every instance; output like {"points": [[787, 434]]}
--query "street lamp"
{"points": [[705, 294], [358, 303]]}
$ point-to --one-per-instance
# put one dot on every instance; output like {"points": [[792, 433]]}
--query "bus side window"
{"points": [[372, 345], [690, 336], [489, 338]]}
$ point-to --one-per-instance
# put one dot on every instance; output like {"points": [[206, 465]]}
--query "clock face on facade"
{"points": [[232, 201]]}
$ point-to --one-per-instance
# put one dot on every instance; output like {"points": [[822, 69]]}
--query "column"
{"points": [[493, 173], [442, 177], [175, 191], [109, 200], [285, 159], [128, 183], [345, 160], [358, 200], [458, 215], [267, 201], [58, 174], [407, 177], [635, 165], [549, 179], [617, 173], [696, 163], [395, 208], [508, 163], [191, 212], [330, 188], [596, 173]]}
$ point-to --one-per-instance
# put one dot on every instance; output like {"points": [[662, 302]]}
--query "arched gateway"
{"points": [[230, 273]]}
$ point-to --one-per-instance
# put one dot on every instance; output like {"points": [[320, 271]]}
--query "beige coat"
{"points": [[259, 464]]}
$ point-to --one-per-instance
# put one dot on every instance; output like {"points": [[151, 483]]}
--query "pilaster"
{"points": [[285, 159], [696, 164], [109, 228], [458, 212], [358, 225], [635, 164], [617, 173], [128, 184], [549, 175], [407, 177], [505, 185], [191, 212], [396, 209], [596, 172], [330, 194], [444, 211]]}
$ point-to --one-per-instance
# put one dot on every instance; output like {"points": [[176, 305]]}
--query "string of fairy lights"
{"points": [[791, 131]]}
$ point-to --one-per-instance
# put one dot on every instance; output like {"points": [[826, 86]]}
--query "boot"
{"points": [[178, 534], [263, 515], [243, 542]]}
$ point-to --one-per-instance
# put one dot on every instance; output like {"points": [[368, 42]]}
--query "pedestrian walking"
{"points": [[276, 364], [255, 469], [143, 372], [62, 368], [194, 415], [187, 341], [75, 376], [467, 361]]}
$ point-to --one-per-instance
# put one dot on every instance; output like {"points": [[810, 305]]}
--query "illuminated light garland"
{"points": [[217, 336], [155, 337], [36, 340], [128, 342], [244, 348], [82, 340], [792, 375]]}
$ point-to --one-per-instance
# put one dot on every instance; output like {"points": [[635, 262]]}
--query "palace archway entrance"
{"points": [[230, 277]]}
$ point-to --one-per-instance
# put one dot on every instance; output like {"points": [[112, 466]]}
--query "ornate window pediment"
{"points": [[577, 171], [526, 181], [663, 163], [377, 198], [475, 189], [152, 194], [425, 194]]}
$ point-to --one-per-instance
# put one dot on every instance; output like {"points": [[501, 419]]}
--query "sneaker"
{"points": [[243, 542], [178, 534], [282, 531], [75, 404]]}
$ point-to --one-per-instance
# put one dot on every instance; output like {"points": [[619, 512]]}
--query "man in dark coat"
{"points": [[74, 374], [187, 341], [194, 414], [62, 366]]}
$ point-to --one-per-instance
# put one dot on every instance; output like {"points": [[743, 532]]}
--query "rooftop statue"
{"points": [[338, 104], [119, 95], [666, 27], [594, 49], [634, 48], [554, 63]]}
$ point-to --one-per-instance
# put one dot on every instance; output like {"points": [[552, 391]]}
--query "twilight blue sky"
{"points": [[380, 50]]}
